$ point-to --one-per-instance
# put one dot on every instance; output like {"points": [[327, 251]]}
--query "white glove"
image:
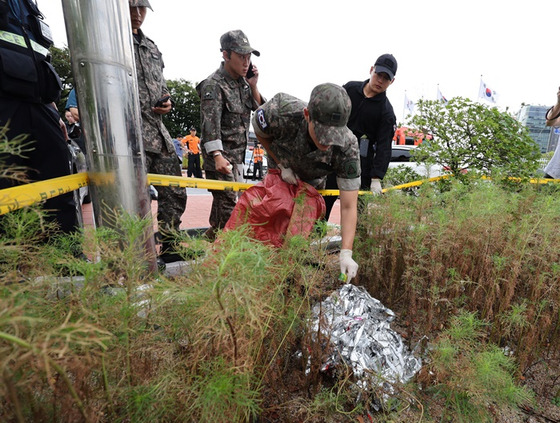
{"points": [[348, 266], [288, 175], [376, 186]]}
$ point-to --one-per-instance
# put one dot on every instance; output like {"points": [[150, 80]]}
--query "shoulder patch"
{"points": [[351, 169], [208, 95], [261, 119]]}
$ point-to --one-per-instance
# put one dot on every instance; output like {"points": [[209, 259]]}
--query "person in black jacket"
{"points": [[29, 88], [373, 121]]}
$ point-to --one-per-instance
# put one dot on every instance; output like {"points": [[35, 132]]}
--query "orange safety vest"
{"points": [[258, 154]]}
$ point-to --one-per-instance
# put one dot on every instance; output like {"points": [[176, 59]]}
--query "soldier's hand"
{"points": [[222, 165], [288, 175], [164, 109]]}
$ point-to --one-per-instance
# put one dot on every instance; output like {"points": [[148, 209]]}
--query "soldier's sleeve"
{"points": [[347, 167], [211, 106], [265, 118]]}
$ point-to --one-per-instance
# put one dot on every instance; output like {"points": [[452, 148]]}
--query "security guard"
{"points": [[29, 86]]}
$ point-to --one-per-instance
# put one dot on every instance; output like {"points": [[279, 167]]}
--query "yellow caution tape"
{"points": [[25, 195], [181, 182]]}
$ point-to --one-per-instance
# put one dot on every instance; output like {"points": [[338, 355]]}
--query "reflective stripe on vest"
{"points": [[19, 40]]}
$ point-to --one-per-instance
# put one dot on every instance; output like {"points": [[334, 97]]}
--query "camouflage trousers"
{"points": [[223, 202], [172, 201]]}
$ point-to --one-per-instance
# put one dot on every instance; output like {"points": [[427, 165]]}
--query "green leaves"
{"points": [[472, 136]]}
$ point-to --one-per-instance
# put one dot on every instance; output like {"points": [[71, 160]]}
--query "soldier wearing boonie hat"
{"points": [[311, 141], [227, 98]]}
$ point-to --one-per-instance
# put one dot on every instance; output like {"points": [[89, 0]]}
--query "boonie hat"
{"points": [[329, 108], [139, 3], [237, 41], [386, 63]]}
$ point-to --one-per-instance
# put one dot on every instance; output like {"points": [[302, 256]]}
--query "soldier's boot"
{"points": [[168, 253]]}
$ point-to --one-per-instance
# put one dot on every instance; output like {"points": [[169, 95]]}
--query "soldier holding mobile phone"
{"points": [[227, 98], [161, 158]]}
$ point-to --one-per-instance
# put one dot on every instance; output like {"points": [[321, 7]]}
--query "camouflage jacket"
{"points": [[281, 120], [225, 114], [151, 87]]}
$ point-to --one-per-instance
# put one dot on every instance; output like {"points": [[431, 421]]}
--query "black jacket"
{"points": [[375, 119]]}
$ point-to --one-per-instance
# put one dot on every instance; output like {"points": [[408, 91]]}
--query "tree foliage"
{"points": [[60, 59], [468, 135], [186, 109]]}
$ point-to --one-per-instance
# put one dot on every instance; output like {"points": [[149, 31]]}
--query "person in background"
{"points": [[161, 158], [192, 144], [258, 155], [552, 169], [311, 141], [29, 88], [73, 130], [72, 108], [227, 99], [178, 148], [373, 121]]}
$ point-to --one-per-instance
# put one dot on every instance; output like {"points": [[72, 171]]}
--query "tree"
{"points": [[468, 135], [186, 109], [63, 66]]}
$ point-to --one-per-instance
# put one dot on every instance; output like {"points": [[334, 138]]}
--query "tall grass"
{"points": [[479, 247], [120, 344], [475, 268]]}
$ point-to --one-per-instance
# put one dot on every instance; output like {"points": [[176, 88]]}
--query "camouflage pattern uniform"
{"points": [[225, 111], [281, 119], [158, 145]]}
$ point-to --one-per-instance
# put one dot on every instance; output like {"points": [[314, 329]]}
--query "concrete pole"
{"points": [[101, 48]]}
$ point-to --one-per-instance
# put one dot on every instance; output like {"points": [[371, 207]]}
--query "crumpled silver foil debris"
{"points": [[357, 327]]}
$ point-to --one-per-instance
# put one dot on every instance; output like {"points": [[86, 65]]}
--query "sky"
{"points": [[512, 46]]}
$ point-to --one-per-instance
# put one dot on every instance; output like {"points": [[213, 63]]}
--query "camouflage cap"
{"points": [[237, 41], [329, 109], [139, 3]]}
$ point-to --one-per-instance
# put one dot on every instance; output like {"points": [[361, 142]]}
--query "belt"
{"points": [[19, 40]]}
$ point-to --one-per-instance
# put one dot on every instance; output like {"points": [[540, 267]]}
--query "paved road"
{"points": [[196, 215]]}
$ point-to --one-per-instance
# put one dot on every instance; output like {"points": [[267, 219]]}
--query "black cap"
{"points": [[386, 63]]}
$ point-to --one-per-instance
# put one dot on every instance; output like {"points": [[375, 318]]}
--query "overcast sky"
{"points": [[513, 45]]}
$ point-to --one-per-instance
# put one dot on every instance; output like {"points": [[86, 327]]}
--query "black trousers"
{"points": [[365, 164], [49, 156]]}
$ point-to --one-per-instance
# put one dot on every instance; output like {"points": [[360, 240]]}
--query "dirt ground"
{"points": [[289, 399]]}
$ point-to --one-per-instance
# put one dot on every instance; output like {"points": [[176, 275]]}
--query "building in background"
{"points": [[533, 119]]}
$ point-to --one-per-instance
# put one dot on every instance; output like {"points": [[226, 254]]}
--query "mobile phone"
{"points": [[250, 72], [162, 100]]}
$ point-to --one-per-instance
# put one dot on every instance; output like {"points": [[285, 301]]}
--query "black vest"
{"points": [[25, 69]]}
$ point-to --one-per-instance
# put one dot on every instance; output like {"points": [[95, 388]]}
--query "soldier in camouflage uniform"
{"points": [[227, 99], [158, 145], [308, 142]]}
